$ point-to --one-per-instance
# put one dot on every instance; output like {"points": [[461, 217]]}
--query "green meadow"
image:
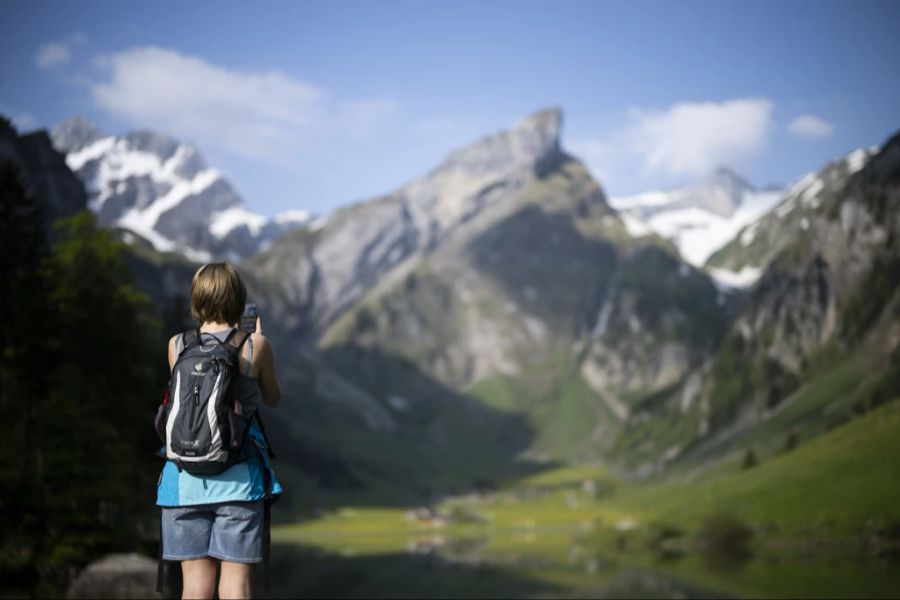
{"points": [[819, 519]]}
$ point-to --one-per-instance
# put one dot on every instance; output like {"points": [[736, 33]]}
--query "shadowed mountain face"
{"points": [[44, 171], [547, 267]]}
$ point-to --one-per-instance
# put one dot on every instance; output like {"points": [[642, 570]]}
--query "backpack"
{"points": [[202, 423], [201, 419]]}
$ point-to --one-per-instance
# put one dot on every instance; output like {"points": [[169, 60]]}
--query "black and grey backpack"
{"points": [[201, 420]]}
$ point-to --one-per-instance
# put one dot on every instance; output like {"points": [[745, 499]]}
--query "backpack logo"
{"points": [[198, 367]]}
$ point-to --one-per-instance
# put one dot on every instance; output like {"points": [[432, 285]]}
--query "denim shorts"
{"points": [[231, 531]]}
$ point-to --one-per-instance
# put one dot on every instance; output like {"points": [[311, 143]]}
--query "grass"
{"points": [[841, 484], [816, 512], [562, 408], [825, 394]]}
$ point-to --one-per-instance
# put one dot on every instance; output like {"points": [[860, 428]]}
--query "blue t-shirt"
{"points": [[240, 482]]}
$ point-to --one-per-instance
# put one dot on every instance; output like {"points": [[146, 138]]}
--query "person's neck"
{"points": [[214, 326]]}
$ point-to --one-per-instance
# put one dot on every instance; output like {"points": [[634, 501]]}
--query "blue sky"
{"points": [[314, 105]]}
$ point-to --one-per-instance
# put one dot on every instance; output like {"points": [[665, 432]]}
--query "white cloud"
{"points": [[264, 115], [692, 138], [59, 52], [51, 55], [810, 126]]}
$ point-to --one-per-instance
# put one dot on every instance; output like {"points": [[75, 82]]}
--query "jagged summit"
{"points": [[698, 218], [727, 178], [147, 140], [532, 141], [74, 134]]}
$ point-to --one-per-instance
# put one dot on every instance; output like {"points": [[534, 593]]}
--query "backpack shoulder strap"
{"points": [[190, 338], [236, 339]]}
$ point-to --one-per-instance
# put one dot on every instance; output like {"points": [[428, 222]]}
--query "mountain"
{"points": [[497, 302], [700, 218], [43, 170], [153, 186], [498, 314], [816, 340], [531, 298], [754, 245]]}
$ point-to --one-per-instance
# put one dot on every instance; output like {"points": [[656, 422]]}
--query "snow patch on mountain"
{"points": [[697, 219], [726, 279], [225, 221], [180, 191], [293, 216], [163, 191], [94, 151]]}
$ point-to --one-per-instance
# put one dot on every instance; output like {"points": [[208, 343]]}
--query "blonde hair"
{"points": [[217, 294]]}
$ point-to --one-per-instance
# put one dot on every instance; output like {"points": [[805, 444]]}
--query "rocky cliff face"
{"points": [[663, 319], [830, 268], [503, 261], [757, 242], [326, 271]]}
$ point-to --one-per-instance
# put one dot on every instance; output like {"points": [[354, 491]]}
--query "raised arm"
{"points": [[269, 385]]}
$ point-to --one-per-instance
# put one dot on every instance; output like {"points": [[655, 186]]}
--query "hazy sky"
{"points": [[313, 105]]}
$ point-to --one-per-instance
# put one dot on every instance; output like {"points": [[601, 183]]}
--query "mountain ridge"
{"points": [[699, 218], [501, 293], [162, 190]]}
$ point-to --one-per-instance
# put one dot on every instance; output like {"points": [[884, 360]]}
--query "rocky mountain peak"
{"points": [[147, 140], [533, 141], [722, 192], [726, 178], [74, 134]]}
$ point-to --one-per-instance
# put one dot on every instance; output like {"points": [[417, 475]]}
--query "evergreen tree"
{"points": [[81, 372], [97, 419], [23, 325]]}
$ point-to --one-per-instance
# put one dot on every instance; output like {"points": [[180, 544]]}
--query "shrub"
{"points": [[791, 441], [724, 541], [750, 459]]}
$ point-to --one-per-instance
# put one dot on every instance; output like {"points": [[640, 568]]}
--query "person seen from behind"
{"points": [[209, 516]]}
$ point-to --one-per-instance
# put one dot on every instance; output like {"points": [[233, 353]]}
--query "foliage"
{"points": [[77, 388], [750, 459], [725, 541]]}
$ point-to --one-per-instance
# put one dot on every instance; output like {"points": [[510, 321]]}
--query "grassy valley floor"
{"points": [[820, 520]]}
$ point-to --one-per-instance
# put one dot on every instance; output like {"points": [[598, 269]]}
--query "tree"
{"points": [[98, 414], [23, 325], [81, 375]]}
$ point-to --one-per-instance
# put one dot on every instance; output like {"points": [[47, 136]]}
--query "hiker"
{"points": [[217, 484]]}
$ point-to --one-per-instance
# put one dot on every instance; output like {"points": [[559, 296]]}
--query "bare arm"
{"points": [[269, 386], [172, 356]]}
